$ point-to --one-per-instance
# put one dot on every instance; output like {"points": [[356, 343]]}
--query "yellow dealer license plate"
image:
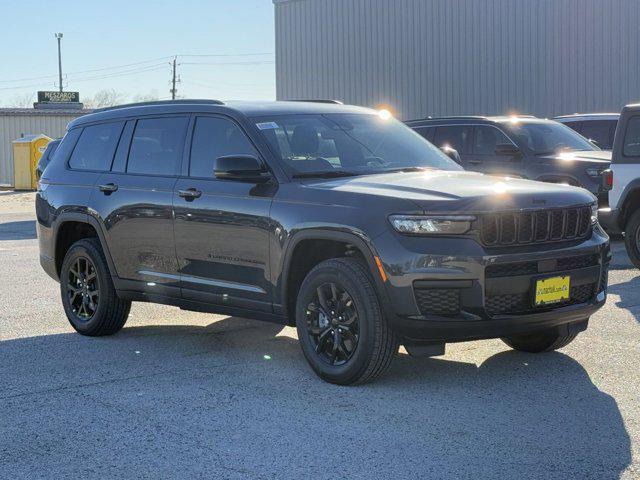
{"points": [[552, 290]]}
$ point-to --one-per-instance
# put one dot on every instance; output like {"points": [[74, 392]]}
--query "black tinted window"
{"points": [[426, 132], [487, 139], [632, 138], [577, 126], [156, 146], [598, 130], [213, 138], [95, 148], [455, 137]]}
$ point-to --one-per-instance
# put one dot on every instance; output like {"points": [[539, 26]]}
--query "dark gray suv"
{"points": [[335, 219], [525, 147]]}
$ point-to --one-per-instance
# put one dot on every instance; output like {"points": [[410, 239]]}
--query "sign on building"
{"points": [[58, 97]]}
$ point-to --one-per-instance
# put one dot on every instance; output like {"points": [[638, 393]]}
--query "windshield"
{"points": [[348, 144], [545, 138]]}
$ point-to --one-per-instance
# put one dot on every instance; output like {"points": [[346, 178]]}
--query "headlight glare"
{"points": [[594, 214], [431, 225]]}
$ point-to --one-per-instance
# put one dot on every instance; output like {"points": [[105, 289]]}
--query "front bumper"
{"points": [[609, 218], [454, 289]]}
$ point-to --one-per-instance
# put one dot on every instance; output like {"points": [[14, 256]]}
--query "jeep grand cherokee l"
{"points": [[524, 147], [332, 218]]}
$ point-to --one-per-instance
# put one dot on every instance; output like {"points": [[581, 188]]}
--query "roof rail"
{"points": [[181, 101], [319, 100]]}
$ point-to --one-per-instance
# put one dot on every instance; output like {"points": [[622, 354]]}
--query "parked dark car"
{"points": [[332, 218], [46, 156], [599, 127], [525, 147]]}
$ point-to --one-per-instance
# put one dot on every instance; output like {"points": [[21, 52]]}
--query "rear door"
{"points": [[135, 203], [626, 156], [483, 156], [222, 227]]}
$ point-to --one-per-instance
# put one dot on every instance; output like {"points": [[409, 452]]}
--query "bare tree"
{"points": [[105, 98], [146, 97], [24, 100]]}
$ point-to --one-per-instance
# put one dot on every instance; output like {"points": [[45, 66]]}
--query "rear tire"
{"points": [[342, 330], [545, 341], [88, 295], [632, 238]]}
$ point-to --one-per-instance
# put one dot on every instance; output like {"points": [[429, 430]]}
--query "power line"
{"points": [[266, 62]]}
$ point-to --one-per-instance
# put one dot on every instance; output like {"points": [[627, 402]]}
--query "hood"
{"points": [[441, 191], [595, 157]]}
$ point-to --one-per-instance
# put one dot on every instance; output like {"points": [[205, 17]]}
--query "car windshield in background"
{"points": [[348, 144], [544, 138]]}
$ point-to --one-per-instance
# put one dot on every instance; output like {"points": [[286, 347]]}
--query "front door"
{"points": [[483, 157], [222, 226]]}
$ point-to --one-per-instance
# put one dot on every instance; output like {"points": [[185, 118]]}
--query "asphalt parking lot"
{"points": [[179, 394]]}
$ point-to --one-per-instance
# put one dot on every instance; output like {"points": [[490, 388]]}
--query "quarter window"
{"points": [[96, 146], [632, 138], [215, 137], [156, 146]]}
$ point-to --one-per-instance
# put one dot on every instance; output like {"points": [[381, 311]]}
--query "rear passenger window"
{"points": [[577, 126], [457, 137], [95, 147], [599, 131], [426, 132], [216, 137], [632, 138], [156, 146]]}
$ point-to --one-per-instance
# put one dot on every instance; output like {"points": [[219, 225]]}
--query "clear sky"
{"points": [[139, 37]]}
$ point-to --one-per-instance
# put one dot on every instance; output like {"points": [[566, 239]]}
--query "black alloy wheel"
{"points": [[332, 324], [83, 288]]}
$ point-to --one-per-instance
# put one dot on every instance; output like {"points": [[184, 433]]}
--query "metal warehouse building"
{"points": [[456, 57], [18, 122]]}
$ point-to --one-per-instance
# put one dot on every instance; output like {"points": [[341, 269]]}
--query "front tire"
{"points": [[545, 341], [341, 327], [632, 238], [88, 295]]}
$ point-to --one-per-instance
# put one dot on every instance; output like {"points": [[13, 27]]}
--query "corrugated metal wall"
{"points": [[12, 126], [455, 57]]}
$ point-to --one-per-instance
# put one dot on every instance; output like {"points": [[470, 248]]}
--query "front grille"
{"points": [[522, 303], [438, 301], [531, 268], [541, 226]]}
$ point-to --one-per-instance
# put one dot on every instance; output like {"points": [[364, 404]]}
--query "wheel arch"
{"points": [[361, 246], [63, 240], [629, 202]]}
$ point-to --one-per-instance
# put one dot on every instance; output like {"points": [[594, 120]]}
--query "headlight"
{"points": [[594, 214], [432, 225], [594, 172]]}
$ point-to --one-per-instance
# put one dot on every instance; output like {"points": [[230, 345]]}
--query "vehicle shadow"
{"points": [[238, 392], [21, 230]]}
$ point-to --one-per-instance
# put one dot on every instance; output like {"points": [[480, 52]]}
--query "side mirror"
{"points": [[244, 168], [452, 153], [593, 142], [507, 150]]}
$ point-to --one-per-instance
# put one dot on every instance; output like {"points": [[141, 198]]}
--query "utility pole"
{"points": [[59, 37], [173, 80]]}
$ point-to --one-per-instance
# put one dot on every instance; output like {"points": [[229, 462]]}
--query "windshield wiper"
{"points": [[407, 169], [326, 174]]}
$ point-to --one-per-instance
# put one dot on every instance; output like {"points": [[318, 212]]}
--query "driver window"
{"points": [[487, 139], [215, 137]]}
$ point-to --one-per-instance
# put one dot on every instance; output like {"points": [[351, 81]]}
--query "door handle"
{"points": [[190, 193], [108, 188]]}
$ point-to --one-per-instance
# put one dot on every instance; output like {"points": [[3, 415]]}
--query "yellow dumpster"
{"points": [[26, 154]]}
